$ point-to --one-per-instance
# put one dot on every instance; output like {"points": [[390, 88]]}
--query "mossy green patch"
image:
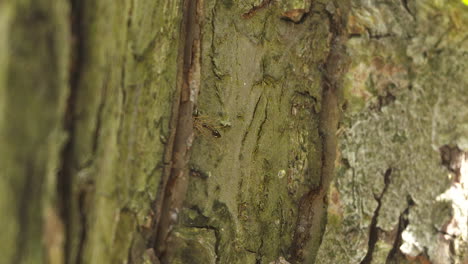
{"points": [[261, 76]]}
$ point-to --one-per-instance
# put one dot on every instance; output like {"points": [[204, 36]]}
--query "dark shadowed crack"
{"points": [[313, 205], [403, 222], [373, 229], [174, 182], [64, 179]]}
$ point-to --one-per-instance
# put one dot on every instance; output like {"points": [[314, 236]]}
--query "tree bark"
{"points": [[222, 131], [400, 190]]}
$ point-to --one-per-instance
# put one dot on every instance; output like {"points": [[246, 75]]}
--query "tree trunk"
{"points": [[222, 131]]}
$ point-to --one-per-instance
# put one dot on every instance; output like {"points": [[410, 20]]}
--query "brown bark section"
{"points": [[177, 180], [312, 208]]}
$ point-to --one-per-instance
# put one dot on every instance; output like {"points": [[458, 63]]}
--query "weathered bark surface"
{"points": [[266, 119], [205, 131], [404, 132]]}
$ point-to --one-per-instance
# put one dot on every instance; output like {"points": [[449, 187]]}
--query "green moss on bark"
{"points": [[121, 117], [33, 91], [261, 90]]}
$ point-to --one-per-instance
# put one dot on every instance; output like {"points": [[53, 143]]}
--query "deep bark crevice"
{"points": [[312, 206], [175, 181], [373, 229], [64, 179], [403, 222]]}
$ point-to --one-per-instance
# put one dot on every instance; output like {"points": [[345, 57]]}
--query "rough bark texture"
{"points": [[265, 118], [205, 131], [404, 132]]}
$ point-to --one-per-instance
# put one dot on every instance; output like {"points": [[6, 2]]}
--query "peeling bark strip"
{"points": [[189, 83], [313, 205]]}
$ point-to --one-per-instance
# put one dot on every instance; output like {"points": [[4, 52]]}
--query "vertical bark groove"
{"points": [[312, 207], [174, 189], [64, 179], [403, 222], [373, 229]]}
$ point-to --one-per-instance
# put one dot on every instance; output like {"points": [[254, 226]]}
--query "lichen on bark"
{"points": [[407, 95]]}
